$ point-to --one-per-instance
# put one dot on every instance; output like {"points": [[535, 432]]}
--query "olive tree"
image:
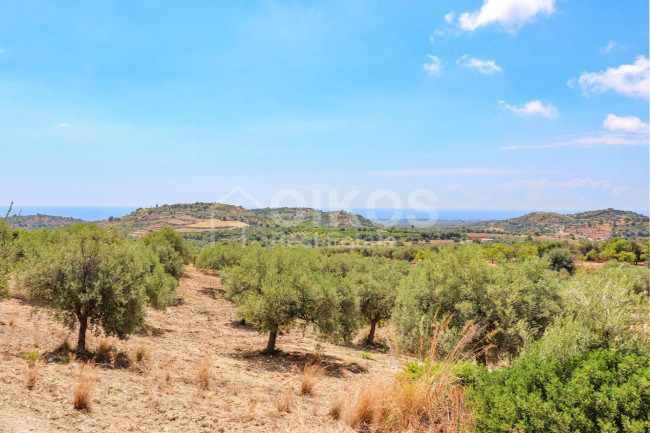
{"points": [[171, 249], [376, 281], [93, 278], [511, 303], [6, 248], [275, 288]]}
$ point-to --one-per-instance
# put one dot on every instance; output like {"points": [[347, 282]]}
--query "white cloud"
{"points": [[607, 140], [629, 124], [62, 125], [611, 47], [583, 182], [629, 80], [450, 17], [449, 171], [485, 67], [532, 108], [454, 187], [511, 14], [431, 39], [434, 66]]}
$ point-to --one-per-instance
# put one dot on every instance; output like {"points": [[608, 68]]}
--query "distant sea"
{"points": [[97, 213]]}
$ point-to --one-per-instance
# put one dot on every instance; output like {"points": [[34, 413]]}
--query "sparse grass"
{"points": [[311, 374], [284, 401], [31, 357], [203, 374], [83, 390], [367, 356]]}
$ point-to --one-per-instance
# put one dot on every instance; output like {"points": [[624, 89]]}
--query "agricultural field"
{"points": [[102, 331]]}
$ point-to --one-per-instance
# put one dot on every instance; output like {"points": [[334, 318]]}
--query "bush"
{"points": [[561, 258], [596, 391], [220, 256]]}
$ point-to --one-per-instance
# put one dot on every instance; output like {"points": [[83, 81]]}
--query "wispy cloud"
{"points": [[612, 47], [629, 124], [62, 125], [450, 171], [532, 108], [485, 67], [449, 18], [434, 66], [583, 182], [511, 14], [629, 80], [605, 140], [534, 187]]}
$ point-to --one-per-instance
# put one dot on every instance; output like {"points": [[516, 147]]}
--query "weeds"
{"points": [[429, 398], [311, 374], [83, 390], [203, 374], [31, 357], [32, 377], [284, 402]]}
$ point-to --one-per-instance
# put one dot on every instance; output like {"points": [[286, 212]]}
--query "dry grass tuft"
{"points": [[433, 402], [337, 407], [284, 402], [32, 377], [311, 374], [139, 358], [203, 374], [83, 390], [103, 353]]}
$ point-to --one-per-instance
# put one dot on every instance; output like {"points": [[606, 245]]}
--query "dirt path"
{"points": [[162, 394]]}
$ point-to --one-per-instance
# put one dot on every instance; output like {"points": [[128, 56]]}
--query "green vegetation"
{"points": [[90, 277], [596, 391]]}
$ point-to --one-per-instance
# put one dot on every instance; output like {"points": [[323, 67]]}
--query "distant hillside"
{"points": [[597, 225], [203, 217], [38, 221]]}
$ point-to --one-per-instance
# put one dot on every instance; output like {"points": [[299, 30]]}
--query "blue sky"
{"points": [[517, 104]]}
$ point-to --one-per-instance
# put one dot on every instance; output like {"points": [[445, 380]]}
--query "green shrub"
{"points": [[596, 391], [220, 256], [171, 249]]}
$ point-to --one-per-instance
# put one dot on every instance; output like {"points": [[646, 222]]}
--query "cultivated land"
{"points": [[161, 393]]}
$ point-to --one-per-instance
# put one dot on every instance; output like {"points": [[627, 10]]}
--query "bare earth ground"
{"points": [[162, 395]]}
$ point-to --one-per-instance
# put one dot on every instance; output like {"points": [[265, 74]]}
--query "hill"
{"points": [[597, 225], [206, 217], [39, 221]]}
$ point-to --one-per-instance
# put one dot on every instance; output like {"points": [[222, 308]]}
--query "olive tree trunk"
{"points": [[81, 341], [270, 346], [371, 334]]}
